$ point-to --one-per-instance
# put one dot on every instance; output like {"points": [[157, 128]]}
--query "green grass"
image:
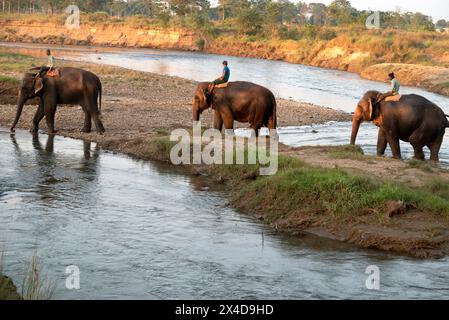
{"points": [[8, 80], [422, 165], [330, 193], [12, 62], [299, 187], [347, 152]]}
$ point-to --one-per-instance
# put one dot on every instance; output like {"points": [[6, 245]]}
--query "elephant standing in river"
{"points": [[412, 119], [72, 86], [239, 101]]}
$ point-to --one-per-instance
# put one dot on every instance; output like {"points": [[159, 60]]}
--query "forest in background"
{"points": [[260, 18]]}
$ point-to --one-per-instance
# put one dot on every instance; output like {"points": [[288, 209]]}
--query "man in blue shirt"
{"points": [[224, 77]]}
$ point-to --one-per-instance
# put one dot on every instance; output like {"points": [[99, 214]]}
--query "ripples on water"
{"points": [[143, 230]]}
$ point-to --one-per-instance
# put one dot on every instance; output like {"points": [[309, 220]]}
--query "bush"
{"points": [[200, 44]]}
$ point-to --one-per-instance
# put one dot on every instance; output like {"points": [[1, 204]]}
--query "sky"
{"points": [[438, 9]]}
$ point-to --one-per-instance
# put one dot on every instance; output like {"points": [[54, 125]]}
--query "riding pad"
{"points": [[222, 85], [395, 98], [54, 73]]}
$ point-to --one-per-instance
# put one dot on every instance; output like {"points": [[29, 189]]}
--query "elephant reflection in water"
{"points": [[56, 176]]}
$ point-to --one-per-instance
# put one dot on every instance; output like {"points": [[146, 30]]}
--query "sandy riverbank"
{"points": [[333, 192], [371, 54]]}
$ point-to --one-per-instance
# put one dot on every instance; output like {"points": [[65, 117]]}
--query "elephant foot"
{"points": [[101, 130], [86, 130], [435, 159]]}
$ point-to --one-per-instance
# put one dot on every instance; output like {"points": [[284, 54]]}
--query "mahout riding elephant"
{"points": [[240, 101], [412, 119], [72, 86]]}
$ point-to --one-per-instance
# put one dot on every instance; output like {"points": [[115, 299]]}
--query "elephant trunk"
{"points": [[355, 126], [195, 112], [20, 105]]}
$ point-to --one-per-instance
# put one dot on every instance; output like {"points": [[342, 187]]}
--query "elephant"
{"points": [[71, 86], [240, 101], [412, 119]]}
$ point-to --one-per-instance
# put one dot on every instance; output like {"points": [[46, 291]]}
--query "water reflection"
{"points": [[140, 230]]}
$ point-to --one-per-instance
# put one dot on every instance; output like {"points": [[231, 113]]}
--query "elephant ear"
{"points": [[38, 85], [374, 106], [207, 97]]}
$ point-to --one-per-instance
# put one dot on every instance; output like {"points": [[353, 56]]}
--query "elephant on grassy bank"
{"points": [[71, 86], [240, 101], [412, 119]]}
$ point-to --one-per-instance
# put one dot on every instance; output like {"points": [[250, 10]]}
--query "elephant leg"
{"points": [[98, 123], [256, 127], [381, 143], [228, 120], [92, 109], [395, 147], [50, 111], [87, 128], [38, 117], [435, 148], [218, 121], [419, 153]]}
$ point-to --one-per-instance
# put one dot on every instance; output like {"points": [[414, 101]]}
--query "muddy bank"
{"points": [[140, 109], [8, 291], [434, 79], [342, 52]]}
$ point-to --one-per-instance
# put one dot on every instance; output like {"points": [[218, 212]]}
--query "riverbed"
{"points": [[329, 88], [142, 230]]}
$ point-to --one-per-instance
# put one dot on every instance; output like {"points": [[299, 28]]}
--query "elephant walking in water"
{"points": [[72, 86], [412, 119], [239, 101]]}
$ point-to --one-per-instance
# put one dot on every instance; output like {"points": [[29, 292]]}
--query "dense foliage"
{"points": [[251, 17]]}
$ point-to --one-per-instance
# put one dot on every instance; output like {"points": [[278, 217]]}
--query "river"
{"points": [[330, 88], [142, 230]]}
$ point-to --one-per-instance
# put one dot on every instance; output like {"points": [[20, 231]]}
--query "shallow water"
{"points": [[339, 133], [145, 231], [331, 88]]}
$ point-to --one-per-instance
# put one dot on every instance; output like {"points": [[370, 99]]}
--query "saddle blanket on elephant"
{"points": [[222, 85], [394, 98], [54, 73]]}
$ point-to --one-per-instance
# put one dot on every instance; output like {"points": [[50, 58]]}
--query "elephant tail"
{"points": [[100, 96]]}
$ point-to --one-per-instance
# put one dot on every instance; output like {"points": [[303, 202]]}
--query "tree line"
{"points": [[247, 16]]}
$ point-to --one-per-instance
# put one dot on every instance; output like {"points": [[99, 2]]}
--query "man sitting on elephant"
{"points": [[223, 79], [395, 87], [51, 63]]}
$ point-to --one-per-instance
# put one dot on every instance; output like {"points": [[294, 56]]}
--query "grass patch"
{"points": [[299, 189], [18, 62], [347, 152], [422, 165], [8, 80], [35, 286]]}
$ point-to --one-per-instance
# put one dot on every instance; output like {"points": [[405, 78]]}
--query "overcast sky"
{"points": [[438, 9]]}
